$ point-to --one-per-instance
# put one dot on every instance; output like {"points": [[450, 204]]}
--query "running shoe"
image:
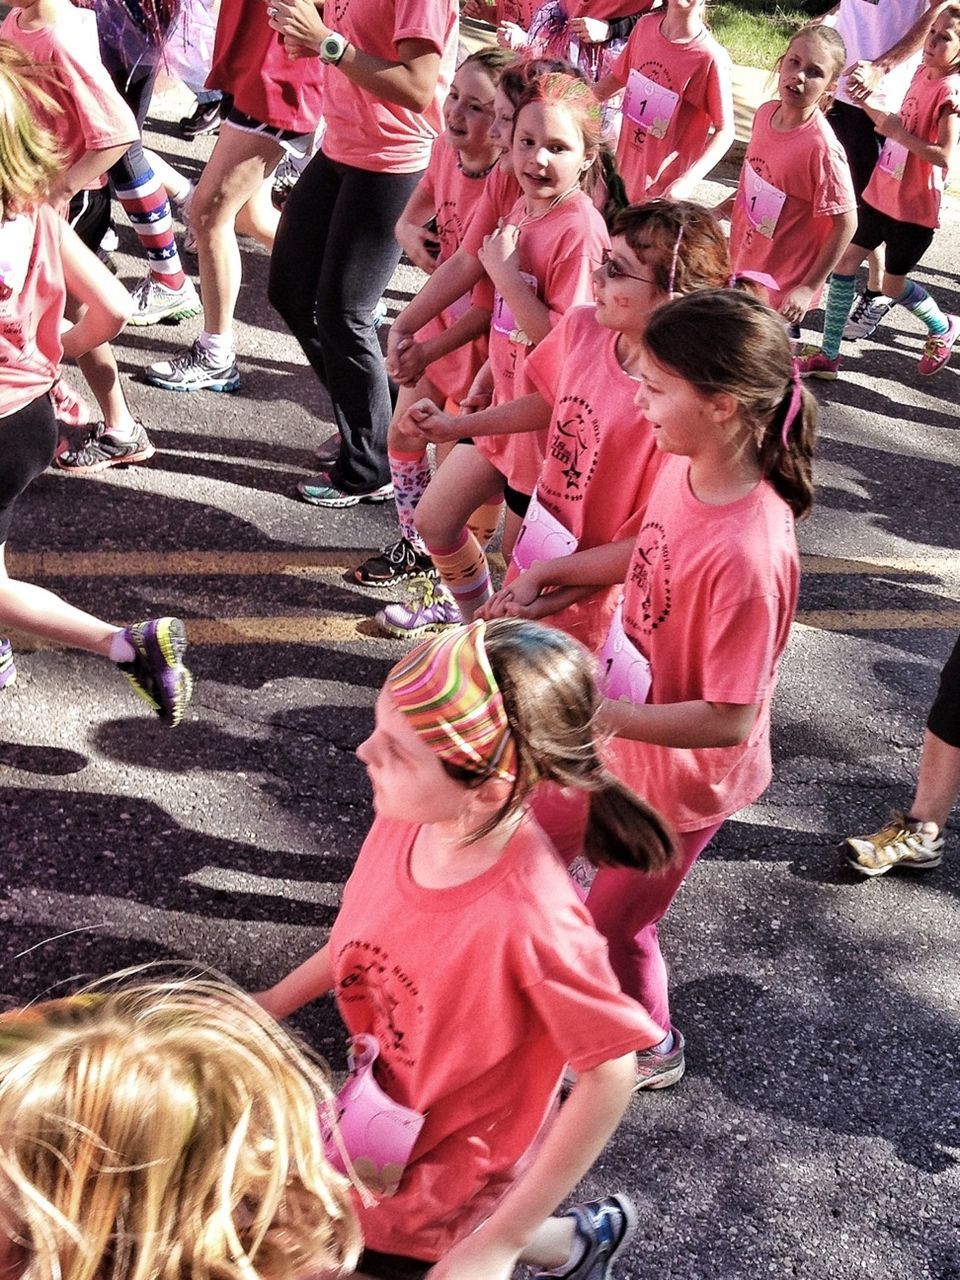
{"points": [[429, 607], [104, 449], [325, 492], [936, 351], [154, 303], [604, 1228], [812, 363], [205, 118], [157, 673], [866, 315], [193, 371], [8, 668], [396, 563], [903, 842], [661, 1070]]}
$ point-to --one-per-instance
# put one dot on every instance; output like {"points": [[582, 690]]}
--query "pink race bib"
{"points": [[377, 1133], [503, 319], [893, 159], [649, 105], [541, 537], [762, 201], [625, 674]]}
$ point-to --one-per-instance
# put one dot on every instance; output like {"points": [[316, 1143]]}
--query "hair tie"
{"points": [[449, 696], [796, 401], [673, 261], [755, 277]]}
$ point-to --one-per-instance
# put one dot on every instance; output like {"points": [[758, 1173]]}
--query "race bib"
{"points": [[762, 201], [649, 105], [503, 320], [625, 674], [893, 159], [458, 309], [377, 1133], [541, 537]]}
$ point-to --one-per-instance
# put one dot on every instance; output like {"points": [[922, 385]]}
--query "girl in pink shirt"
{"points": [[539, 263], [42, 260], [795, 211], [709, 592], [901, 203], [467, 725], [678, 110], [430, 231]]}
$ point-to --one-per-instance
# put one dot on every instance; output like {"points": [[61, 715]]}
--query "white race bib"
{"points": [[541, 537], [893, 159], [503, 318], [762, 201], [649, 105], [625, 674]]}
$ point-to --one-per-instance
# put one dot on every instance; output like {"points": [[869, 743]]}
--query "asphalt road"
{"points": [[817, 1131]]}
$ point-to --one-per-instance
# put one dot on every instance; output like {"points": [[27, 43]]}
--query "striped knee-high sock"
{"points": [[917, 301], [463, 569], [410, 473], [839, 301], [145, 203], [483, 523]]}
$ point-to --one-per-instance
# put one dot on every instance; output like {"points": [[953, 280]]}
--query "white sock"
{"points": [[121, 650], [218, 346]]}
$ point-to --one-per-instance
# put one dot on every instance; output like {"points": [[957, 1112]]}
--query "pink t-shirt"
{"points": [[501, 191], [478, 1042], [94, 116], [558, 254], [367, 132], [708, 601], [902, 185], [250, 62], [32, 298], [676, 93], [791, 186], [455, 196], [601, 459]]}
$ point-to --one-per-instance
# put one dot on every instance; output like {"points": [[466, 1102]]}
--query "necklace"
{"points": [[535, 217], [471, 173]]}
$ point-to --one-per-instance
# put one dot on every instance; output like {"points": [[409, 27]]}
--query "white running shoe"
{"points": [[154, 303]]}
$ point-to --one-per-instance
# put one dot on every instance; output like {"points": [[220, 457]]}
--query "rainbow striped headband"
{"points": [[449, 696]]}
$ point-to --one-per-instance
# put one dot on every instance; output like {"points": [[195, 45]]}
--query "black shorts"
{"points": [[859, 139], [28, 441], [391, 1266], [906, 242], [944, 718], [89, 215], [516, 501]]}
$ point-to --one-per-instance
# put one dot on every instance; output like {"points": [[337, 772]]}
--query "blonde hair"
{"points": [[165, 1130], [30, 155]]}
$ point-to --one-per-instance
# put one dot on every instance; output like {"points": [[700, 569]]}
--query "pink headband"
{"points": [[796, 401], [448, 693]]}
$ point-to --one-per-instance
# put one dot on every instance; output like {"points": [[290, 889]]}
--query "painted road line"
{"points": [[879, 619], [213, 564]]}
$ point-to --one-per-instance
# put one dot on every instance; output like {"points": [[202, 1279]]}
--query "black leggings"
{"points": [[944, 719], [333, 257], [136, 89], [28, 441]]}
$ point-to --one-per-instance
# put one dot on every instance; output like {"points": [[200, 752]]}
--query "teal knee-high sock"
{"points": [[919, 302], [839, 302]]}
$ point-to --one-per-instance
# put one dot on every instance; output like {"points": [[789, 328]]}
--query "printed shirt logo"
{"points": [[647, 599], [392, 997], [449, 228], [572, 451]]}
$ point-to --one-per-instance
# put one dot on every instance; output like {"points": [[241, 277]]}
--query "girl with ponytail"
{"points": [[469, 972], [709, 592]]}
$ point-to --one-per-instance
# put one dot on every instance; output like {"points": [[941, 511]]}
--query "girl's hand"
{"points": [[300, 24], [796, 304], [525, 590], [498, 253], [484, 10], [510, 36], [480, 393], [591, 30], [426, 422], [863, 78], [405, 361], [420, 245]]}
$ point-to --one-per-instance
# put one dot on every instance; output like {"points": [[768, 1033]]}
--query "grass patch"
{"points": [[754, 34]]}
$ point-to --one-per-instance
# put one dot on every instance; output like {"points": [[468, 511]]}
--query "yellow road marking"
{"points": [[880, 619]]}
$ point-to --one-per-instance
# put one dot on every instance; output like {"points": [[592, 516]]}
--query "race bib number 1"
{"points": [[625, 674], [649, 105], [893, 159], [762, 201], [541, 537], [503, 319]]}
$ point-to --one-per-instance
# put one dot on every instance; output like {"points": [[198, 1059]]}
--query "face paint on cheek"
{"points": [[621, 300]]}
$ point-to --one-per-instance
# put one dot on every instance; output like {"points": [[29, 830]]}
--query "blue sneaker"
{"points": [[157, 672], [604, 1228], [8, 668]]}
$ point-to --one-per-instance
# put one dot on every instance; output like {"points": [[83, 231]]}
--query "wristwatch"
{"points": [[333, 48]]}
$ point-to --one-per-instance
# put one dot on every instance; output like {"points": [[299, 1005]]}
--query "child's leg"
{"points": [[465, 480], [145, 203], [840, 290], [258, 217], [626, 907], [903, 254]]}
